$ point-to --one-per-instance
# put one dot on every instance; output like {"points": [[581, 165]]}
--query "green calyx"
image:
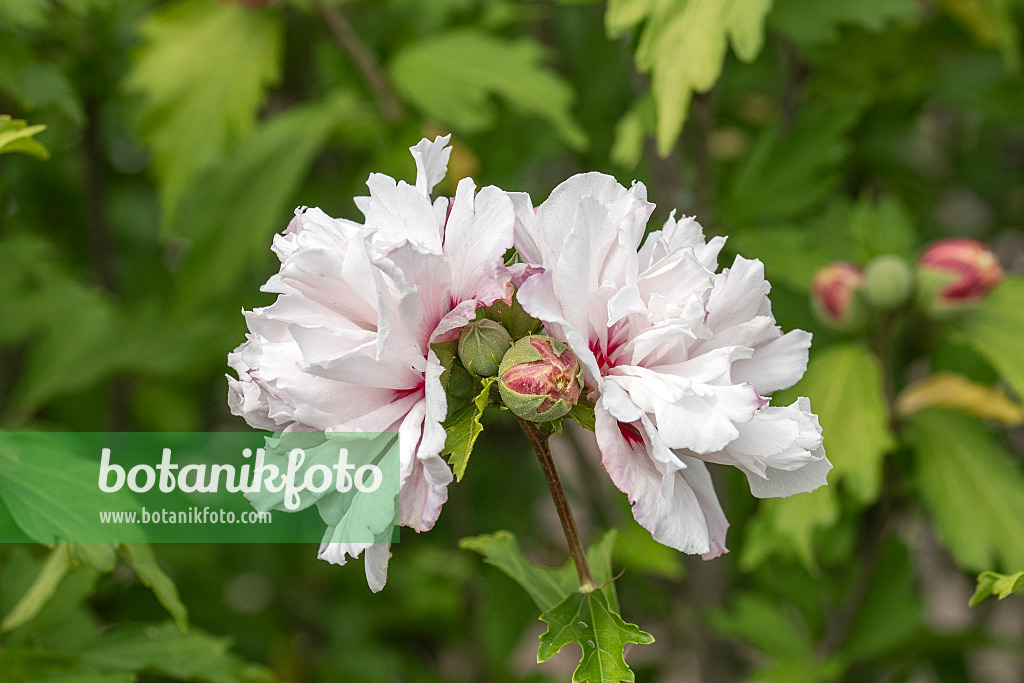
{"points": [[482, 345]]}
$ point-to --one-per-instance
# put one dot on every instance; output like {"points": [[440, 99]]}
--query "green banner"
{"points": [[203, 487]]}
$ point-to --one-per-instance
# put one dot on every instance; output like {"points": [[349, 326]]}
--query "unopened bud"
{"points": [[482, 345], [540, 379], [834, 292], [888, 282], [958, 272]]}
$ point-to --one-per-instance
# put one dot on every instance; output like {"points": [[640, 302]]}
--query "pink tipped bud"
{"points": [[970, 270], [834, 292], [540, 379]]}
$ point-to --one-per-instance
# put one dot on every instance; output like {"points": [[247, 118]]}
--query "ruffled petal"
{"points": [[431, 162]]}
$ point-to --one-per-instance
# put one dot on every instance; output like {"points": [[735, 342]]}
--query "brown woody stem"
{"points": [[539, 441]]}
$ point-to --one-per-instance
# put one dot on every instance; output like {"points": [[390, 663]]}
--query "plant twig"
{"points": [[348, 40], [539, 441]]}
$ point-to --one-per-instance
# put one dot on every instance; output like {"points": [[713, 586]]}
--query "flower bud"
{"points": [[540, 379], [834, 292], [888, 282], [482, 345], [958, 272]]}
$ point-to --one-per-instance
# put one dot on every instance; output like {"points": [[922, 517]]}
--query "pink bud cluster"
{"points": [[973, 266], [952, 274]]}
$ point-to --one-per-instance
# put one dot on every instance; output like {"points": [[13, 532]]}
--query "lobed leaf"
{"points": [[1000, 585], [996, 331], [683, 45], [974, 491], [587, 619], [452, 78], [202, 72]]}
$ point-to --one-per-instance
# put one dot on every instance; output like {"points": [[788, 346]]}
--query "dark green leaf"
{"points": [[586, 619], [228, 234], [146, 567], [463, 428], [547, 586], [812, 21]]}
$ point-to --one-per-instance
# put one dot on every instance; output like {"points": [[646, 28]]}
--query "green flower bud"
{"points": [[540, 379], [482, 345], [888, 282]]}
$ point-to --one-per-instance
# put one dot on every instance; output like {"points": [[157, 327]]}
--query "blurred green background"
{"points": [[182, 135]]}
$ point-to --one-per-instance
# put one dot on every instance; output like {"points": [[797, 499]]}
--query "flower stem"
{"points": [[539, 441]]}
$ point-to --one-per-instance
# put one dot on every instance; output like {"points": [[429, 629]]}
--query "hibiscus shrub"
{"points": [[645, 169]]}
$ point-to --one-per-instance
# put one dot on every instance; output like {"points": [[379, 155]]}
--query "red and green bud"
{"points": [[540, 379], [958, 272], [888, 282], [482, 345], [834, 292]]}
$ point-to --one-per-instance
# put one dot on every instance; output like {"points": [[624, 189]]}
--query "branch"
{"points": [[539, 441], [375, 77]]}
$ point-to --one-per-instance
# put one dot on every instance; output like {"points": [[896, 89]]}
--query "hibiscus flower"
{"points": [[346, 345], [679, 358]]}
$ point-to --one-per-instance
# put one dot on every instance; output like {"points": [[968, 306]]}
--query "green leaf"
{"points": [[228, 235], [546, 585], [991, 583], [39, 666], [683, 45], [583, 413], [993, 24], [844, 383], [453, 76], [44, 588], [761, 622], [586, 619], [882, 227], [974, 491], [788, 172], [163, 649], [787, 526], [890, 612], [50, 492], [631, 131], [146, 567], [996, 331], [810, 22], [100, 556], [202, 72], [16, 136], [30, 14], [463, 428]]}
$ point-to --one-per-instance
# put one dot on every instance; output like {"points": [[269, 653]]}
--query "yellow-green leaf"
{"points": [[974, 491], [202, 71], [1001, 585]]}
